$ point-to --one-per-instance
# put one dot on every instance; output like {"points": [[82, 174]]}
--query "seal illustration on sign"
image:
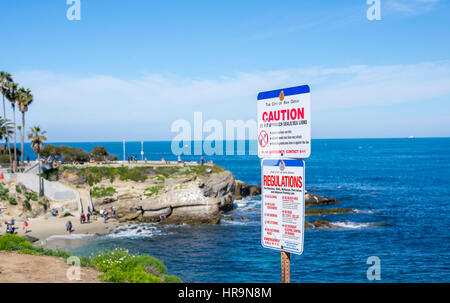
{"points": [[282, 165], [281, 96]]}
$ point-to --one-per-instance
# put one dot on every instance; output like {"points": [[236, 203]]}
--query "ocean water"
{"points": [[401, 187]]}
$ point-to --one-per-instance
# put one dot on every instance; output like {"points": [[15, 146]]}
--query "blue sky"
{"points": [[129, 68]]}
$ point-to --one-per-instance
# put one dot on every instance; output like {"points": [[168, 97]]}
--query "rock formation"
{"points": [[172, 194]]}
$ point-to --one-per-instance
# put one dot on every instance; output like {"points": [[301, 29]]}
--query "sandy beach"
{"points": [[49, 226]]}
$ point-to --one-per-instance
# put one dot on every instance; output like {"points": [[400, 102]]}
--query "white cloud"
{"points": [[109, 108], [411, 7]]}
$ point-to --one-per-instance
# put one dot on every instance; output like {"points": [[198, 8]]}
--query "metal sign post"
{"points": [[284, 140], [285, 267]]}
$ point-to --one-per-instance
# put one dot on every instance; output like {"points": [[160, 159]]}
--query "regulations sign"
{"points": [[283, 204], [284, 123]]}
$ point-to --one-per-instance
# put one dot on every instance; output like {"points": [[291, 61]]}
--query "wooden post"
{"points": [[285, 266]]}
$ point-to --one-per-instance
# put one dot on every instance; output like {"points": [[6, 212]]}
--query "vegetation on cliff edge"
{"points": [[95, 174], [117, 266]]}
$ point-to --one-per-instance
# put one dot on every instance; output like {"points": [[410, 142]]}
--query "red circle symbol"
{"points": [[263, 138]]}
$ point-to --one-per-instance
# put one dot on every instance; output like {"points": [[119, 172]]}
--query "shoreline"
{"points": [[47, 227]]}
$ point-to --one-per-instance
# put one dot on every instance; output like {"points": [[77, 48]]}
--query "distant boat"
{"points": [[410, 137]]}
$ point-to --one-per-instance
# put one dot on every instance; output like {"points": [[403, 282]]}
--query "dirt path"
{"points": [[20, 268]]}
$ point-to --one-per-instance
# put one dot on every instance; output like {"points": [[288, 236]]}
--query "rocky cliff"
{"points": [[174, 194], [179, 193]]}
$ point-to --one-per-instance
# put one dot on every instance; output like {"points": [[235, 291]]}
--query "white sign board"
{"points": [[284, 123], [283, 204]]}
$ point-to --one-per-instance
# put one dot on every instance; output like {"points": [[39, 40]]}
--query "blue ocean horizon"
{"points": [[400, 186]]}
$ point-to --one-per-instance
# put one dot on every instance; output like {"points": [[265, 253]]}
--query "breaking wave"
{"points": [[69, 237], [145, 230], [351, 225]]}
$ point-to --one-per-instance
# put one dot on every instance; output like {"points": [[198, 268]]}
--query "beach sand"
{"points": [[21, 268], [45, 227]]}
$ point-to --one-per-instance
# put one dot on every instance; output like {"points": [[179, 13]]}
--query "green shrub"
{"points": [[11, 200], [26, 204], [18, 189], [14, 242], [99, 192], [3, 192], [30, 195], [119, 266], [4, 158], [68, 154], [154, 190], [98, 153], [172, 279], [51, 174]]}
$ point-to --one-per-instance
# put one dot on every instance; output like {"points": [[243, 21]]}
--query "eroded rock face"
{"points": [[101, 202], [316, 200], [199, 199], [220, 186], [71, 177], [322, 224], [243, 190]]}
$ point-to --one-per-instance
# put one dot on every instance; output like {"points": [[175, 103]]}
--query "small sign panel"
{"points": [[283, 204], [284, 123]]}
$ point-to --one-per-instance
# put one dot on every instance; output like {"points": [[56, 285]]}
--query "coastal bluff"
{"points": [[172, 193]]}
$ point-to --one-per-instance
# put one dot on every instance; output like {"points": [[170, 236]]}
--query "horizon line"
{"points": [[138, 141]]}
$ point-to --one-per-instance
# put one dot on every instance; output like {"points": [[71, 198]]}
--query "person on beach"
{"points": [[113, 211], [69, 227], [88, 217], [145, 159], [202, 161], [10, 229]]}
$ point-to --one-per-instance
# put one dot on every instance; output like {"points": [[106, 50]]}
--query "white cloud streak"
{"points": [[411, 7], [146, 106]]}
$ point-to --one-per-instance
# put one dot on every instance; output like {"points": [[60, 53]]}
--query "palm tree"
{"points": [[37, 143], [5, 79], [12, 96], [25, 99], [6, 130]]}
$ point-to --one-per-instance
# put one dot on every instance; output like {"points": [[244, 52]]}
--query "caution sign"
{"points": [[284, 123], [283, 204]]}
